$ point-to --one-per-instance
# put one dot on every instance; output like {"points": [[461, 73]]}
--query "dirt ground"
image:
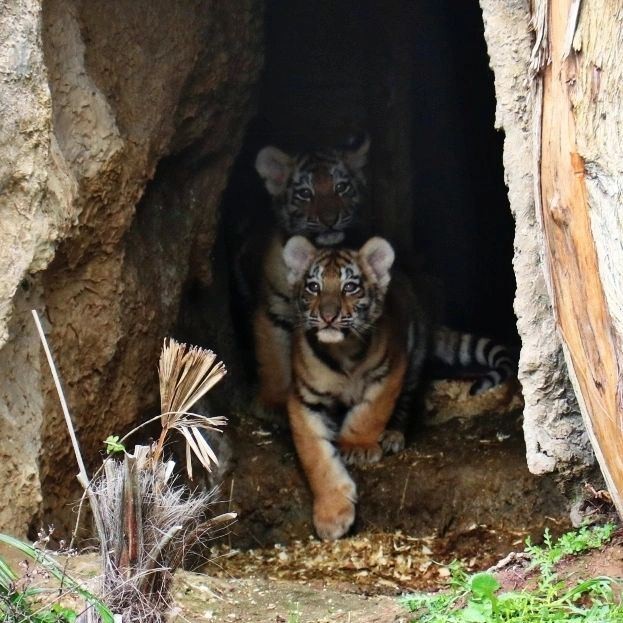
{"points": [[253, 600], [330, 597], [461, 490], [266, 599], [456, 475]]}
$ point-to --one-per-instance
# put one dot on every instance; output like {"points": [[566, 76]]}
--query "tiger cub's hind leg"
{"points": [[333, 489], [272, 351]]}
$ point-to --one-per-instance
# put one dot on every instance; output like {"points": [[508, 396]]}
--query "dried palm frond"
{"points": [[145, 524], [186, 375], [148, 527]]}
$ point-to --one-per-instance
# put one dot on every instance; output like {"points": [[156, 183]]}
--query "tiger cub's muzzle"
{"points": [[330, 321]]}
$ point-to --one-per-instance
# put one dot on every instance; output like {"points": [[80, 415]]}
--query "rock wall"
{"points": [[555, 435], [96, 95], [33, 213]]}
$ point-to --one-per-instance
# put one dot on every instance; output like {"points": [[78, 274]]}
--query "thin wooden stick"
{"points": [[82, 475]]}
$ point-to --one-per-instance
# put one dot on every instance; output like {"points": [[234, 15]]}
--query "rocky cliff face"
{"points": [[100, 103]]}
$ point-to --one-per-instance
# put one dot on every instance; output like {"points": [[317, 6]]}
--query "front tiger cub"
{"points": [[349, 361], [317, 194], [358, 346]]}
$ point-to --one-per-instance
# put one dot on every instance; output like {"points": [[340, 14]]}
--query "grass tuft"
{"points": [[22, 601], [477, 598]]}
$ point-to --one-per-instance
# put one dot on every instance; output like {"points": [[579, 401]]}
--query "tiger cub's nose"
{"points": [[329, 219], [329, 312], [328, 317]]}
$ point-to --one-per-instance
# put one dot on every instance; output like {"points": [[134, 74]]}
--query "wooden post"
{"points": [[581, 305]]}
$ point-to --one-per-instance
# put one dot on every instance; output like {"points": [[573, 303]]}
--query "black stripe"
{"points": [[361, 354], [502, 359], [316, 407], [471, 347], [321, 353], [314, 391], [343, 256], [279, 321], [378, 374], [486, 351]]}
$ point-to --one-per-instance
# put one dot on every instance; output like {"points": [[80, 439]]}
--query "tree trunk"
{"points": [[553, 428], [580, 167]]}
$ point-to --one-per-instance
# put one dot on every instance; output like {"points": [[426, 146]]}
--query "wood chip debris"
{"points": [[377, 562]]}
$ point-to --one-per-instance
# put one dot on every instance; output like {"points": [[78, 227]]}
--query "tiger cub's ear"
{"points": [[274, 167], [379, 255], [357, 157], [298, 254]]}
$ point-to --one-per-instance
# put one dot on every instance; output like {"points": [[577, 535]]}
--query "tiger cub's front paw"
{"points": [[334, 512], [360, 454], [392, 441]]}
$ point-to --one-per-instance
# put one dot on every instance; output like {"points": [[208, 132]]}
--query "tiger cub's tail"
{"points": [[468, 355]]}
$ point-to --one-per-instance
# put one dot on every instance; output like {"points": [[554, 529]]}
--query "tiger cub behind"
{"points": [[317, 194], [358, 347]]}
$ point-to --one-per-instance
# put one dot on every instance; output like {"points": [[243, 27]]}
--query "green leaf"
{"points": [[66, 614], [484, 585], [475, 613], [7, 575], [112, 444]]}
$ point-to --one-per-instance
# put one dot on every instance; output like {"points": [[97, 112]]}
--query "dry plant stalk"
{"points": [[149, 525], [186, 375], [145, 524]]}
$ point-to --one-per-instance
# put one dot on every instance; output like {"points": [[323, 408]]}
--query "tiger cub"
{"points": [[358, 347], [316, 194]]}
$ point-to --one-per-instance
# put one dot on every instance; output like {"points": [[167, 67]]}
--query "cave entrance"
{"points": [[415, 77]]}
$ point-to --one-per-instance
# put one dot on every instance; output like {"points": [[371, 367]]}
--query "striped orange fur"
{"points": [[359, 342], [318, 194]]}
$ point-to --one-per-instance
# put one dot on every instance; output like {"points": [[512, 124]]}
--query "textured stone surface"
{"points": [[94, 97], [554, 432], [33, 214]]}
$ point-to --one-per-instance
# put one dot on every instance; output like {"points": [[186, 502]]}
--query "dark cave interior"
{"points": [[415, 78]]}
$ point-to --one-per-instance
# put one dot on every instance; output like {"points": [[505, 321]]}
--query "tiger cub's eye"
{"points": [[304, 194], [342, 187], [312, 287], [350, 287]]}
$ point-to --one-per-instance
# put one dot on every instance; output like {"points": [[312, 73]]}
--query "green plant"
{"points": [[294, 615], [551, 552], [113, 445], [477, 598], [21, 604]]}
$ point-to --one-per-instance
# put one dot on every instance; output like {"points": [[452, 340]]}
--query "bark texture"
{"points": [[580, 171], [553, 427], [100, 98]]}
